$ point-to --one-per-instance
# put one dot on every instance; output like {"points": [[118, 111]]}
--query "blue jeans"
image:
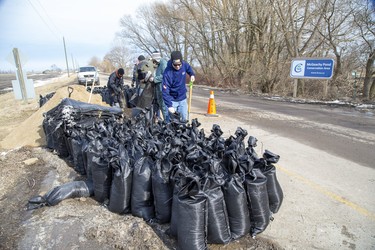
{"points": [[182, 108]]}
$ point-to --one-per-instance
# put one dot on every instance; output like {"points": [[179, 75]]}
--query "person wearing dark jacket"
{"points": [[116, 88], [174, 85], [138, 74]]}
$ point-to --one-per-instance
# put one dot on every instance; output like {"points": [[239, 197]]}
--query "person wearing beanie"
{"points": [[156, 56], [160, 64], [116, 88], [174, 85], [138, 73], [134, 78]]}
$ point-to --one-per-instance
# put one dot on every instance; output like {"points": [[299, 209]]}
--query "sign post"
{"points": [[20, 75], [311, 68], [23, 88]]}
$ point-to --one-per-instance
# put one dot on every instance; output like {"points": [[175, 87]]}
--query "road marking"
{"points": [[330, 194]]}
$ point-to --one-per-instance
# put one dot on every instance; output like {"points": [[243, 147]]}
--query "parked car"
{"points": [[88, 74]]}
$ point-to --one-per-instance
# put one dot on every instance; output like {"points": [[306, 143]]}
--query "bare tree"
{"points": [[119, 56], [363, 20], [95, 61], [107, 66], [299, 21], [250, 43]]}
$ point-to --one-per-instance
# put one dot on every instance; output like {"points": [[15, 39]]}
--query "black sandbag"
{"points": [[142, 201], [218, 231], [87, 155], [230, 160], [48, 131], [250, 150], [106, 96], [44, 99], [240, 136], [101, 176], [162, 190], [270, 157], [120, 195], [129, 92], [256, 189], [192, 217], [275, 193], [236, 202], [180, 174], [77, 155], [69, 158], [54, 131], [173, 226], [84, 148], [73, 189], [62, 146]]}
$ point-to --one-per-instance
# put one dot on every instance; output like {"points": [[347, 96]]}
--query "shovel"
{"points": [[190, 95]]}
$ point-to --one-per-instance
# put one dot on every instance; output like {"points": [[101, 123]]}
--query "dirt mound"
{"points": [[30, 132]]}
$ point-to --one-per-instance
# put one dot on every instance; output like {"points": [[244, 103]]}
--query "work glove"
{"points": [[172, 110], [192, 78]]}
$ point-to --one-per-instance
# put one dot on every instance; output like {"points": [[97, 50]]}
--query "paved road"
{"points": [[326, 167], [339, 130]]}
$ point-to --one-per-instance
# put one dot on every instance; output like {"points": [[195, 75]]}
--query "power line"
{"points": [[44, 20], [48, 16]]}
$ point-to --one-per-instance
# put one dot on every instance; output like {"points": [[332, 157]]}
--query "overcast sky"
{"points": [[37, 28]]}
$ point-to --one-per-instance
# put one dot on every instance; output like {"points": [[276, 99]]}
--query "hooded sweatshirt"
{"points": [[174, 82]]}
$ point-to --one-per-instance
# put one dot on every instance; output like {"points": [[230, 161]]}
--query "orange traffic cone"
{"points": [[211, 110]]}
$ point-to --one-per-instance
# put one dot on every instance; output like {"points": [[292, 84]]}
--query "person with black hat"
{"points": [[116, 88], [138, 73], [174, 85], [134, 78]]}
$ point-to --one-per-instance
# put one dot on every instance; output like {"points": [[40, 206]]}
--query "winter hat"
{"points": [[141, 58], [120, 71], [156, 56], [176, 56]]}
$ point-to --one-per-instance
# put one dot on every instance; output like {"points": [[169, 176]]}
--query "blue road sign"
{"points": [[312, 68]]}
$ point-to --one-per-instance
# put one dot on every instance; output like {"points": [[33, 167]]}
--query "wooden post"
{"points": [[325, 90], [20, 73], [66, 58], [295, 87]]}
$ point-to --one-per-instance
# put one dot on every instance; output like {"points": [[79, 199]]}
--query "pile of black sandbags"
{"points": [[134, 97], [210, 189]]}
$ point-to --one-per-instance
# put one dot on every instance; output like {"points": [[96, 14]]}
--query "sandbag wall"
{"points": [[210, 189]]}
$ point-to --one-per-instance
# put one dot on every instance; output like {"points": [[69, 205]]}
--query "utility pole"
{"points": [[73, 62], [66, 58], [20, 73]]}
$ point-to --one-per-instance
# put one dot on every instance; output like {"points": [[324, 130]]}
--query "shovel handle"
{"points": [[190, 96]]}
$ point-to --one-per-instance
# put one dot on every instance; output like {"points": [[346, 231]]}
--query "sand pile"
{"points": [[30, 131]]}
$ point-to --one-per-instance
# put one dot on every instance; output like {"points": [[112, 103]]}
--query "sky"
{"points": [[37, 28]]}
